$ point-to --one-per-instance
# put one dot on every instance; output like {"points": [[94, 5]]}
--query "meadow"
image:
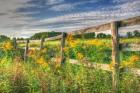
{"points": [[41, 74]]}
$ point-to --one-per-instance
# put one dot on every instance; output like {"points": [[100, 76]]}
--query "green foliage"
{"points": [[17, 76], [102, 35], [135, 33], [130, 34], [44, 35], [4, 38], [86, 36]]}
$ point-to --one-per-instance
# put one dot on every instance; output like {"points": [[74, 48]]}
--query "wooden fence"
{"points": [[113, 26]]}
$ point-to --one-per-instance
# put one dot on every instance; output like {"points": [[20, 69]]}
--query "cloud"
{"points": [[123, 30], [62, 7], [52, 2], [8, 14], [17, 23]]}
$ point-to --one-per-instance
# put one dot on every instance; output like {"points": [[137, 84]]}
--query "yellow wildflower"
{"points": [[41, 61], [71, 41], [32, 53], [44, 50], [80, 56], [8, 45], [111, 65], [45, 64], [95, 42], [134, 58], [131, 61], [65, 49]]}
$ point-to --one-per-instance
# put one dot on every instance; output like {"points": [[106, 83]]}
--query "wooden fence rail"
{"points": [[113, 26]]}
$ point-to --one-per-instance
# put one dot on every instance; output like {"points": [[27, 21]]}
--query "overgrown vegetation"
{"points": [[41, 73]]}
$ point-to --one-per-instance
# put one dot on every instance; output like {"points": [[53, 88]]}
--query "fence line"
{"points": [[113, 26]]}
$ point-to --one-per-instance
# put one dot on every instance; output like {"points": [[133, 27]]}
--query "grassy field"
{"points": [[40, 74]]}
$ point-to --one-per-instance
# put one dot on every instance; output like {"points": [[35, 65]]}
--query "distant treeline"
{"points": [[135, 33], [44, 35], [40, 35], [4, 38], [92, 35]]}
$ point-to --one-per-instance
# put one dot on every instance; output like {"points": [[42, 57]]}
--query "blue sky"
{"points": [[22, 18]]}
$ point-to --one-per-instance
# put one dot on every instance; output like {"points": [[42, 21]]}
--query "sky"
{"points": [[23, 18]]}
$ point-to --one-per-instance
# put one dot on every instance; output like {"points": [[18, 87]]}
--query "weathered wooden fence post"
{"points": [[26, 50], [15, 43], [42, 44], [115, 57], [62, 47]]}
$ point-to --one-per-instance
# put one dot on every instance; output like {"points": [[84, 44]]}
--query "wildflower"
{"points": [[71, 41], [111, 65], [45, 64], [131, 61], [95, 42], [80, 56], [41, 61], [32, 53], [8, 45], [44, 50], [134, 58], [65, 49], [126, 64], [58, 62]]}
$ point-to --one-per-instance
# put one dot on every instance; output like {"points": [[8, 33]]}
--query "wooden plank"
{"points": [[54, 38], [135, 71], [35, 41], [31, 41], [62, 47], [26, 50], [42, 44], [15, 43], [30, 48], [21, 41], [107, 26], [115, 57], [106, 67], [91, 64], [130, 47], [34, 48], [102, 27], [130, 22]]}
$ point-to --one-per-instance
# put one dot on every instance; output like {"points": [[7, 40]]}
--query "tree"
{"points": [[44, 35], [101, 35], [129, 34], [89, 35], [108, 36], [4, 38], [136, 33], [85, 35]]}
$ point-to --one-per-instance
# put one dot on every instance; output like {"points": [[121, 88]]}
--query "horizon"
{"points": [[24, 18]]}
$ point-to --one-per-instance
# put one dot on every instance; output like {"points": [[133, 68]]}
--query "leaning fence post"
{"points": [[42, 44], [15, 43], [115, 57], [26, 50], [62, 47]]}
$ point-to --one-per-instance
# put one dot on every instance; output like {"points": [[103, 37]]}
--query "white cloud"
{"points": [[62, 7], [123, 30], [52, 2], [18, 24]]}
